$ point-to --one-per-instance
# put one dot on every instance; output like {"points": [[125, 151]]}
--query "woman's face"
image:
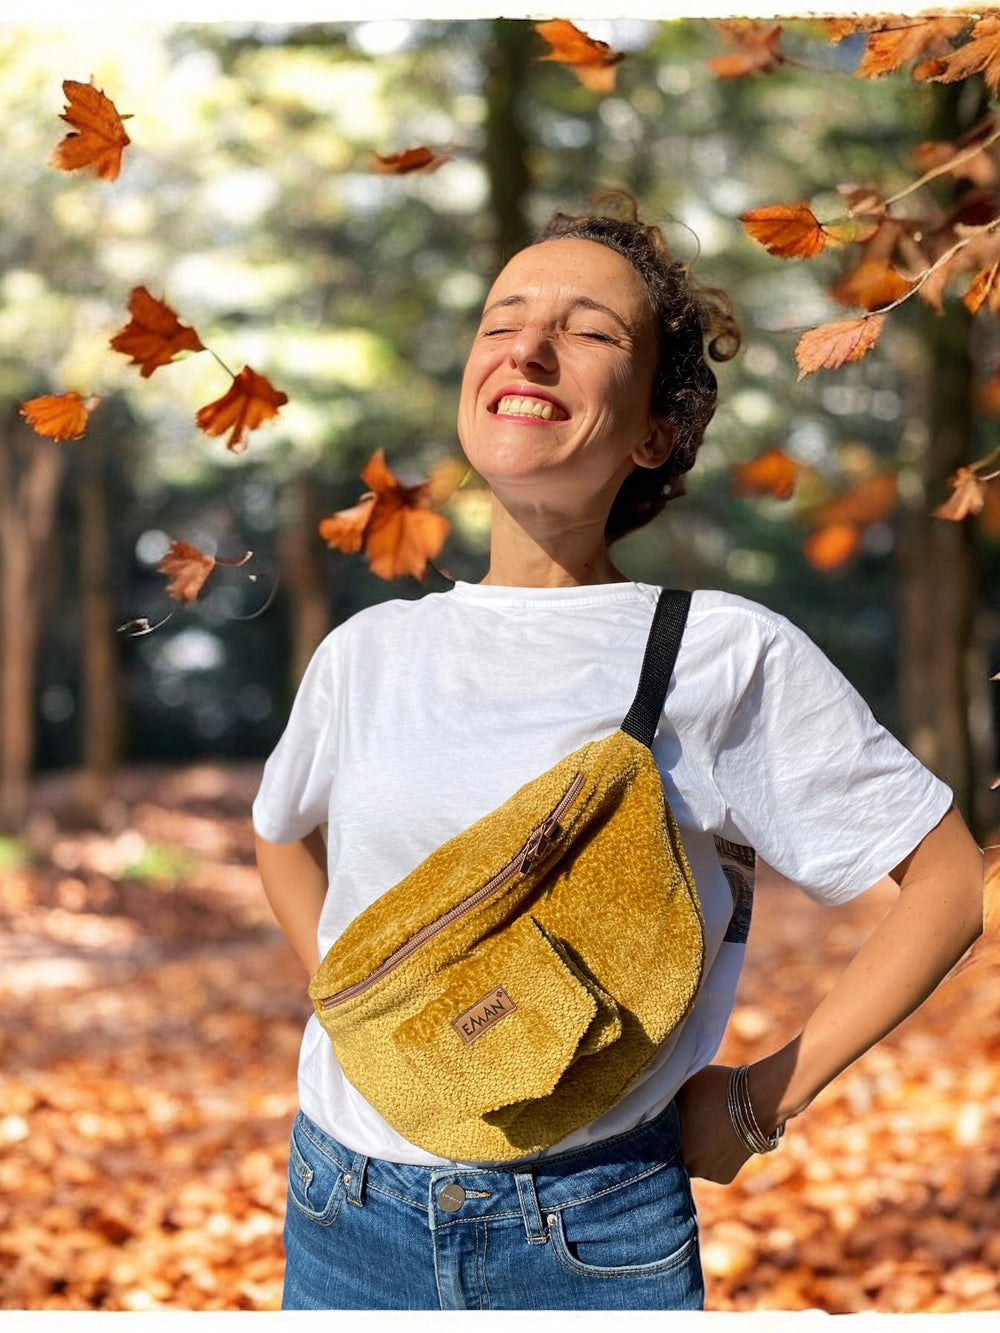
{"points": [[556, 401]]}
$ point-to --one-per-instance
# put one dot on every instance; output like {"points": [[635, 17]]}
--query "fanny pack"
{"points": [[515, 984]]}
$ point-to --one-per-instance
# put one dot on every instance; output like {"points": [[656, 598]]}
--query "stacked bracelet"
{"points": [[743, 1118]]}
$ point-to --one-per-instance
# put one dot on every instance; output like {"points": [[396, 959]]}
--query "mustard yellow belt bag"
{"points": [[513, 985]]}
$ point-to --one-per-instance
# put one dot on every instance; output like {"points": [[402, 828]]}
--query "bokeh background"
{"points": [[151, 1010]]}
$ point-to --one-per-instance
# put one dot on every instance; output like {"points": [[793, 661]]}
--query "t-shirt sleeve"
{"points": [[294, 794], [825, 794]]}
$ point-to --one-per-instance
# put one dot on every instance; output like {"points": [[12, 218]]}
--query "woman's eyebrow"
{"points": [[578, 302]]}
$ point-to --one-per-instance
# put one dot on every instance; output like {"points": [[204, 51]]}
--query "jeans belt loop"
{"points": [[534, 1223], [356, 1180]]}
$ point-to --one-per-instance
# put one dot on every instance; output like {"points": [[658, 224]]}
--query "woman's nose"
{"points": [[533, 349]]}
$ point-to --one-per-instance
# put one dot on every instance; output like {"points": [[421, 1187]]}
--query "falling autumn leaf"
{"points": [[870, 500], [979, 55], [831, 546], [967, 496], [985, 286], [874, 283], [97, 138], [59, 416], [251, 400], [832, 345], [770, 473], [593, 62], [155, 335], [394, 523], [187, 568], [409, 160], [758, 50], [791, 231], [895, 46]]}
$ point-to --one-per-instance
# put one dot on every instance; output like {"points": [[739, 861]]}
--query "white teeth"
{"points": [[513, 406]]}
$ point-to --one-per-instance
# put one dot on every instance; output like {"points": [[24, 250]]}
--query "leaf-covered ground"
{"points": [[150, 1023]]}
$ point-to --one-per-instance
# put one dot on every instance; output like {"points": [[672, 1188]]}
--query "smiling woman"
{"points": [[421, 725]]}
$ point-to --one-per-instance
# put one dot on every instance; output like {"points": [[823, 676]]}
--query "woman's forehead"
{"points": [[573, 266]]}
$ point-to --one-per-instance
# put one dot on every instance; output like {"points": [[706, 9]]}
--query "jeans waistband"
{"points": [[529, 1188]]}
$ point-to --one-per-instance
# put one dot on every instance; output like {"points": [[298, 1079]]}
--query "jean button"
{"points": [[450, 1198]]}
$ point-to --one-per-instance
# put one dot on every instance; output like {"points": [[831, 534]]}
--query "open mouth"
{"points": [[541, 409]]}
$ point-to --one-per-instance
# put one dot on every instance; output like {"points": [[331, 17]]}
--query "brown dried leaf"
{"points": [[872, 284], [790, 231], [829, 547], [186, 568], [154, 335], [892, 47], [832, 345], [758, 49], [250, 401], [97, 138], [967, 496], [770, 473], [409, 160], [59, 416], [979, 55]]}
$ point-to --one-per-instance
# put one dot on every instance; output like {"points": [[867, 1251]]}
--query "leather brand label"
{"points": [[482, 1015]]}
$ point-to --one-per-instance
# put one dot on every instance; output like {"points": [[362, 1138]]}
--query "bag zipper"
{"points": [[535, 846]]}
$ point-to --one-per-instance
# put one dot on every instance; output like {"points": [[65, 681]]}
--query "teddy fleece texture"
{"points": [[598, 950]]}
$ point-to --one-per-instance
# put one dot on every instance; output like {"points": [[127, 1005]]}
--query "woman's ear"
{"points": [[659, 445]]}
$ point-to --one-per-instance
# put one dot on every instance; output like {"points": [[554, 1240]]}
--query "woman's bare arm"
{"points": [[295, 884], [937, 916]]}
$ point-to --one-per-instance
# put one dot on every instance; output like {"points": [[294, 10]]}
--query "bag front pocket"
{"points": [[507, 1023]]}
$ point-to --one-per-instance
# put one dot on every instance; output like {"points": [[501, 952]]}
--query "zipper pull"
{"points": [[537, 845]]}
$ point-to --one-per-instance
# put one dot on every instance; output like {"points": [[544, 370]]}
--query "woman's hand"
{"points": [[709, 1144]]}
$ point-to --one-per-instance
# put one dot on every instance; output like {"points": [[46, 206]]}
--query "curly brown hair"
{"points": [[684, 389]]}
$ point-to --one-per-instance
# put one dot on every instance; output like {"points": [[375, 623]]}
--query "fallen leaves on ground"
{"points": [[151, 1021]]}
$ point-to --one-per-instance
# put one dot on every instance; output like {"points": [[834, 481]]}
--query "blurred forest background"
{"points": [[127, 764]]}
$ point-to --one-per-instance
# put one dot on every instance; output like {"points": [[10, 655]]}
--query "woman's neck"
{"points": [[544, 551]]}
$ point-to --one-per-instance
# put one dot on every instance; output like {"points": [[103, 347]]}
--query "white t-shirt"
{"points": [[415, 718]]}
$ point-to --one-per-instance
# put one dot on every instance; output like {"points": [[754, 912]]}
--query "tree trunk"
{"points": [[936, 560], [99, 667], [30, 468], [504, 152], [300, 555], [936, 570]]}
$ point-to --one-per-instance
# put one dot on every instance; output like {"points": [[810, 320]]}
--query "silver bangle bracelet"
{"points": [[741, 1113]]}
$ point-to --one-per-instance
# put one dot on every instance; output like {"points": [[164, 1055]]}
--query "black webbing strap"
{"points": [[662, 647]]}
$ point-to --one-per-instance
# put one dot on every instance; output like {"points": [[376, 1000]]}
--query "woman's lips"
{"points": [[533, 405]]}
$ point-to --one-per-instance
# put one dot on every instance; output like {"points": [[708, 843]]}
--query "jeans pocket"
{"points": [[315, 1181], [643, 1228]]}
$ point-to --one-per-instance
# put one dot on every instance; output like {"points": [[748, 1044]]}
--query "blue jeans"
{"points": [[608, 1227]]}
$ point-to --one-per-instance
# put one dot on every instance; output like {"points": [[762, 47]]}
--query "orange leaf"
{"points": [[60, 416], [979, 55], [410, 159], [873, 284], [829, 547], [980, 168], [967, 496], [394, 523], [593, 62], [250, 401], [758, 50], [155, 335], [98, 136], [893, 47], [831, 345], [984, 286], [770, 473], [869, 500], [791, 231], [345, 530], [187, 568]]}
